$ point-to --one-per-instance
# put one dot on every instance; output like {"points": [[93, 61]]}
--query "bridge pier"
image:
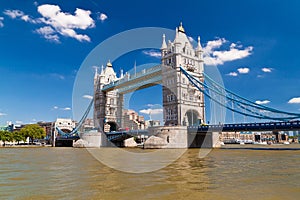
{"points": [[180, 137]]}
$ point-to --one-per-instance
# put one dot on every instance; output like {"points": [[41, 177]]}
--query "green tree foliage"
{"points": [[6, 136], [33, 131], [18, 136]]}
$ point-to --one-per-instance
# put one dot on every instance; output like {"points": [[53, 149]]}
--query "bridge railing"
{"points": [[291, 125]]}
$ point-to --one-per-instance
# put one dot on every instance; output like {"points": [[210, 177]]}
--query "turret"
{"points": [[163, 46], [199, 49]]}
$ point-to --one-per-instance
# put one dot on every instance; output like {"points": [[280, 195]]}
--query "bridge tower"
{"points": [[183, 103], [107, 105]]}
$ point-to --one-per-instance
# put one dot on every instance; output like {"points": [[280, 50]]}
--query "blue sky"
{"points": [[40, 53]]}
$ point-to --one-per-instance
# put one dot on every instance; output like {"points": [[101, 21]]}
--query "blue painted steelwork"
{"points": [[267, 126], [122, 135], [74, 132], [242, 105]]}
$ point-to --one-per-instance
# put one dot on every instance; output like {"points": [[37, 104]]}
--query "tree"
{"points": [[33, 131], [18, 136], [6, 136]]}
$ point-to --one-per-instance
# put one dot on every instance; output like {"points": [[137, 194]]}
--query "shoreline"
{"points": [[294, 146], [262, 147]]}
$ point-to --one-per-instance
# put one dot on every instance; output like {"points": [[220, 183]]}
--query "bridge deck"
{"points": [[267, 126]]}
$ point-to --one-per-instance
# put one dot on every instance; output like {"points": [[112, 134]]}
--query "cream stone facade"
{"points": [[183, 103]]}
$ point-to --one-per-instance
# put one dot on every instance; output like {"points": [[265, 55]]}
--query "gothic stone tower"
{"points": [[107, 106], [183, 103]]}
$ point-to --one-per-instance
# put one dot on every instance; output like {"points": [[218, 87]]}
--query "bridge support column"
{"points": [[173, 136], [204, 140], [53, 138]]}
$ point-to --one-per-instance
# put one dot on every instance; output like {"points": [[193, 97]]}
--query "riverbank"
{"points": [[293, 146]]}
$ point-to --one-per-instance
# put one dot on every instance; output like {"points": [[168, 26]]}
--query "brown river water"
{"points": [[69, 173]]}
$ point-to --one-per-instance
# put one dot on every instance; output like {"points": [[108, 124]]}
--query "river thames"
{"points": [[70, 173]]}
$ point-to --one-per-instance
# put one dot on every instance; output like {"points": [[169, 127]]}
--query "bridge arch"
{"points": [[191, 117], [111, 126]]}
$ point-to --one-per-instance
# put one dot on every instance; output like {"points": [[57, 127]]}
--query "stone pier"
{"points": [[179, 137]]}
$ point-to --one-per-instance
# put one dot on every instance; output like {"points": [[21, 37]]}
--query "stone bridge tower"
{"points": [[107, 105], [183, 103]]}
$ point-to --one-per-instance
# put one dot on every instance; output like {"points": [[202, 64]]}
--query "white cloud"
{"points": [[48, 33], [65, 23], [19, 122], [58, 108], [244, 70], [232, 74], [152, 53], [294, 100], [263, 102], [1, 22], [14, 13], [267, 70], [150, 111], [57, 76], [57, 22], [103, 17], [86, 96], [219, 57], [2, 114]]}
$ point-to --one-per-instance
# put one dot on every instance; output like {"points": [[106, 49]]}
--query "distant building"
{"points": [[8, 127], [48, 127], [132, 121], [150, 123]]}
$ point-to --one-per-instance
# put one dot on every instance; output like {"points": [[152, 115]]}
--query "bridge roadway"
{"points": [[266, 126]]}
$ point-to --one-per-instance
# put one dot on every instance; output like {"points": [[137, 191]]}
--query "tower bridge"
{"points": [[184, 86]]}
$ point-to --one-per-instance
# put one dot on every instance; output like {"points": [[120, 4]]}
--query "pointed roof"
{"points": [[180, 28], [164, 44], [181, 37], [108, 64], [199, 47]]}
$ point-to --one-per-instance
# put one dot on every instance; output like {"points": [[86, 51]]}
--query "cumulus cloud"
{"points": [[213, 56], [65, 23], [263, 102], [267, 70], [57, 23], [86, 96], [294, 100], [55, 107], [103, 17], [1, 22], [152, 53], [244, 70], [232, 74], [150, 111], [66, 108]]}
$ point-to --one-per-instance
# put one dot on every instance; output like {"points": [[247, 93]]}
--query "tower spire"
{"points": [[181, 29], [164, 44], [199, 47]]}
